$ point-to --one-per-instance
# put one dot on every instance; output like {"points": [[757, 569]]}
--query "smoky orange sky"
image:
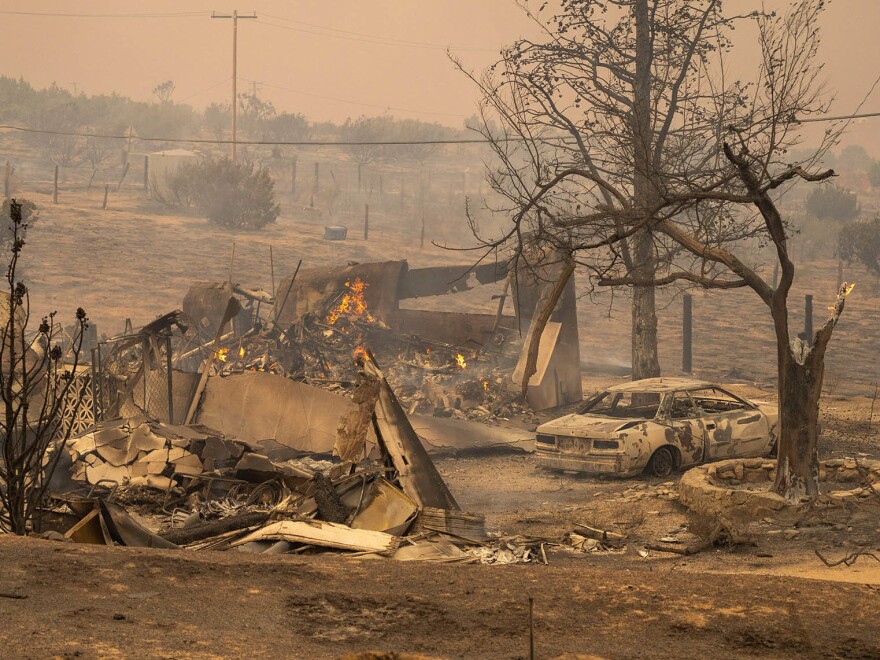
{"points": [[331, 59]]}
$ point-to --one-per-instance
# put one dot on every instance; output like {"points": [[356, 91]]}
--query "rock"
{"points": [[738, 471]]}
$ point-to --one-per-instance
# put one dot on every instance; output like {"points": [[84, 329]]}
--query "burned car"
{"points": [[656, 426]]}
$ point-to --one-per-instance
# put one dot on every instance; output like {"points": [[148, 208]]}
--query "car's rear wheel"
{"points": [[662, 463]]}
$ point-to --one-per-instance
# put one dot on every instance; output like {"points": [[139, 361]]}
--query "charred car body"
{"points": [[656, 425]]}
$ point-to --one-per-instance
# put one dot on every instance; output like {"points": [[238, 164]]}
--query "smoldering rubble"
{"points": [[263, 422]]}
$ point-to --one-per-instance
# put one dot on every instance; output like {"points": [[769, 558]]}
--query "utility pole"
{"points": [[234, 16]]}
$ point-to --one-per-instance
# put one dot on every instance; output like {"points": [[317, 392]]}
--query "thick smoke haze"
{"points": [[332, 60]]}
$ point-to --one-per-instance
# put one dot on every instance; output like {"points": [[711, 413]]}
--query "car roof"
{"points": [[662, 384]]}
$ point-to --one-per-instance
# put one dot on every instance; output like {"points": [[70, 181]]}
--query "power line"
{"points": [[72, 15], [840, 118], [207, 89], [350, 102], [297, 143], [369, 38], [328, 143]]}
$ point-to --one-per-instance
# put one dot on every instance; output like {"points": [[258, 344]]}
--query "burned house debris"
{"points": [[265, 423]]}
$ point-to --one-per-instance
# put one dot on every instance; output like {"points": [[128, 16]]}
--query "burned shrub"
{"points": [[234, 195], [860, 241]]}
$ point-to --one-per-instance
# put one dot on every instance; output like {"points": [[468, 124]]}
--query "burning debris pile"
{"points": [[280, 433], [317, 345]]}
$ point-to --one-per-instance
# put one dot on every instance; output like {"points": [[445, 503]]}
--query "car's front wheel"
{"points": [[662, 463]]}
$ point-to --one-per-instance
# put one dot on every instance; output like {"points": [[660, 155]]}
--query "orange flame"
{"points": [[360, 352], [459, 360], [353, 303], [222, 354], [486, 385]]}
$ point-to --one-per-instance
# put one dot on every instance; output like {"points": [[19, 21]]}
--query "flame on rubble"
{"points": [[459, 360], [486, 385], [241, 351], [360, 352], [222, 354], [353, 303]]}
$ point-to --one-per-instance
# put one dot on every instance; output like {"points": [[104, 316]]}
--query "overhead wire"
{"points": [[343, 143], [350, 102], [371, 38], [80, 15]]}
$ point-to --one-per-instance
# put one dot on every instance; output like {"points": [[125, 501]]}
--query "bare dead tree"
{"points": [[706, 211], [35, 386], [617, 101]]}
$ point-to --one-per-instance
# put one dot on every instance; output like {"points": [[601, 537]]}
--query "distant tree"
{"points": [[36, 389], [860, 241], [164, 91], [854, 158], [365, 130], [288, 127], [58, 114], [254, 115], [874, 174], [217, 118], [831, 202], [96, 152], [234, 195]]}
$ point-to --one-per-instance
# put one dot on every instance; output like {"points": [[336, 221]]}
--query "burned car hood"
{"points": [[587, 426]]}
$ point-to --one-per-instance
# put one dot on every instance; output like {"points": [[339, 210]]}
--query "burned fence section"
{"points": [[133, 374]]}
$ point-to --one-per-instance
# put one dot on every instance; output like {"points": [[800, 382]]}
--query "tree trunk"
{"points": [[645, 362], [801, 371], [797, 473]]}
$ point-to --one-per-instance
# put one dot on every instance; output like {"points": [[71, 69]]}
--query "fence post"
{"points": [[145, 349], [422, 239], [100, 382], [55, 189], [808, 319], [687, 334], [146, 174], [366, 221], [7, 179], [168, 357], [293, 176], [106, 192], [95, 386]]}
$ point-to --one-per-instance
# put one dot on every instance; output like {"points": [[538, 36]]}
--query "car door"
{"points": [[733, 426], [688, 427]]}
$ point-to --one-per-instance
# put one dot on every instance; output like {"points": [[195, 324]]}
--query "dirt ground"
{"points": [[770, 598], [773, 600]]}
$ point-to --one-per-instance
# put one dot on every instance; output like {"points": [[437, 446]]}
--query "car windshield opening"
{"points": [[715, 400], [624, 405]]}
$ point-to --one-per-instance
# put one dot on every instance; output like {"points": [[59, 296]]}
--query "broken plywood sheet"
{"points": [[258, 406], [546, 346], [447, 435], [324, 534], [417, 474], [388, 509]]}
